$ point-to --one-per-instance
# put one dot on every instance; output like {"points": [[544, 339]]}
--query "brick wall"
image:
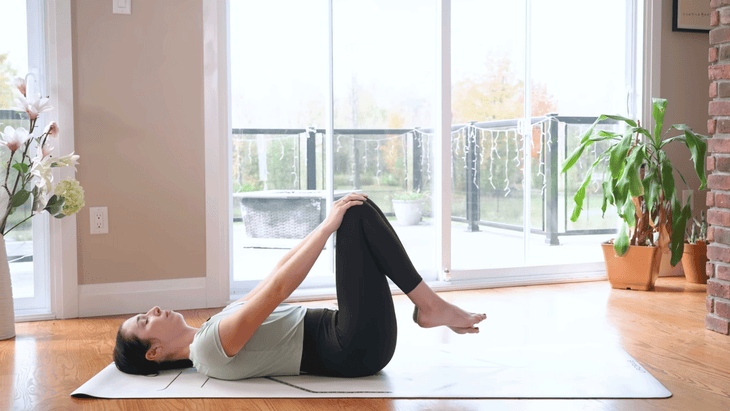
{"points": [[718, 169]]}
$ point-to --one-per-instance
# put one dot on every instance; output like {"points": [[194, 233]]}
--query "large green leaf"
{"points": [[621, 245], [698, 150], [642, 130], [600, 135], [652, 189], [56, 206], [659, 107], [630, 180], [618, 154], [573, 158], [628, 212], [607, 196], [21, 167], [580, 195], [679, 225], [626, 120], [671, 140], [667, 178], [635, 187], [19, 198]]}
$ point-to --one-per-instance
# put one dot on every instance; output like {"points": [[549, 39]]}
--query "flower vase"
{"points": [[7, 311]]}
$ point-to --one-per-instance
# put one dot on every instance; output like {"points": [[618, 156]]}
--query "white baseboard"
{"points": [[533, 275], [139, 296]]}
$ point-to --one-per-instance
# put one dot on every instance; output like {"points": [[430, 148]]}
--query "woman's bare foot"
{"points": [[449, 315], [433, 311]]}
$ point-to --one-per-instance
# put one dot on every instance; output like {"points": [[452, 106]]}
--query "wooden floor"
{"points": [[663, 330]]}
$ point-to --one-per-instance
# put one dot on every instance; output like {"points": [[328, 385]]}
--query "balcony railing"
{"points": [[474, 144], [469, 150]]}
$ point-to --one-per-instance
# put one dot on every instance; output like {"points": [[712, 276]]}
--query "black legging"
{"points": [[359, 338]]}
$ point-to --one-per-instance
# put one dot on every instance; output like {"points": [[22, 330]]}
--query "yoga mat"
{"points": [[434, 371]]}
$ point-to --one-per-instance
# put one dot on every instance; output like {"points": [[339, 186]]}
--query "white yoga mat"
{"points": [[597, 371]]}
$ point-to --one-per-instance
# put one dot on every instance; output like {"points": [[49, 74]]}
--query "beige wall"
{"points": [[685, 84], [139, 130], [138, 92]]}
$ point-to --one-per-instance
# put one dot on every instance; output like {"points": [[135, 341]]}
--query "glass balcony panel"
{"points": [[278, 97], [565, 83], [487, 60]]}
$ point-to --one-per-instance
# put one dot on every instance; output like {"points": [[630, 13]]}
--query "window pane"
{"points": [[384, 82], [279, 72], [14, 63], [488, 75], [578, 88], [567, 92]]}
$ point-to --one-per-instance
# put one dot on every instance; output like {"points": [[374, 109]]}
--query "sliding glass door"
{"points": [[523, 90], [360, 81]]}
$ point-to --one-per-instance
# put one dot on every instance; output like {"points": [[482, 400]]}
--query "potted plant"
{"points": [[694, 258], [639, 183], [27, 177], [408, 207]]}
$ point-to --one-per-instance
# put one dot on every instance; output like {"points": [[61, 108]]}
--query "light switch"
{"points": [[122, 6]]}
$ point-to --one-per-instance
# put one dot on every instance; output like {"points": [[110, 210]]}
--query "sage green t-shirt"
{"points": [[274, 349]]}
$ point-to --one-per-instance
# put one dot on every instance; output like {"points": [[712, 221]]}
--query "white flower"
{"points": [[73, 194], [51, 129], [14, 138], [46, 151], [19, 82], [33, 106], [70, 160], [41, 170]]}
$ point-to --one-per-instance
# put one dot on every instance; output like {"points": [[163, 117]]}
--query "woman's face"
{"points": [[161, 325]]}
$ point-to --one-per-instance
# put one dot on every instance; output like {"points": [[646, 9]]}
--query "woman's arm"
{"points": [[235, 330]]}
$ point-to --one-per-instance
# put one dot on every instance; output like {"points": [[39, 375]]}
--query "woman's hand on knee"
{"points": [[334, 219]]}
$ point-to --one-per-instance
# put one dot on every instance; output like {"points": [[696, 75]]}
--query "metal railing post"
{"points": [[311, 159], [417, 161], [356, 163], [472, 179], [551, 183]]}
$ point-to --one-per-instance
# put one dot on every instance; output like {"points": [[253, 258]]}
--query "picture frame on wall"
{"points": [[691, 15]]}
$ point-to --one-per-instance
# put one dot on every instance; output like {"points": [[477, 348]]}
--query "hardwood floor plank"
{"points": [[663, 330]]}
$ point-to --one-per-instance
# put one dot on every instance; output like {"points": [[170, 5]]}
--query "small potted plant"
{"points": [[694, 258], [639, 183], [408, 207]]}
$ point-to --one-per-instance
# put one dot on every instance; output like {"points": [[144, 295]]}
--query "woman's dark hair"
{"points": [[129, 356]]}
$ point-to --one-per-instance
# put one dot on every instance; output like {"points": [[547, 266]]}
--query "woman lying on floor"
{"points": [[259, 336]]}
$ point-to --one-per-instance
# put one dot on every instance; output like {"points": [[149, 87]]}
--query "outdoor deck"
{"points": [[489, 248]]}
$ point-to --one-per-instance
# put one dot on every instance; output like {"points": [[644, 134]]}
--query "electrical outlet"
{"points": [[122, 7], [99, 220]]}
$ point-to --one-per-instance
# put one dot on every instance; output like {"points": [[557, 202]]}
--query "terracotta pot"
{"points": [[638, 269], [666, 269], [694, 260]]}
